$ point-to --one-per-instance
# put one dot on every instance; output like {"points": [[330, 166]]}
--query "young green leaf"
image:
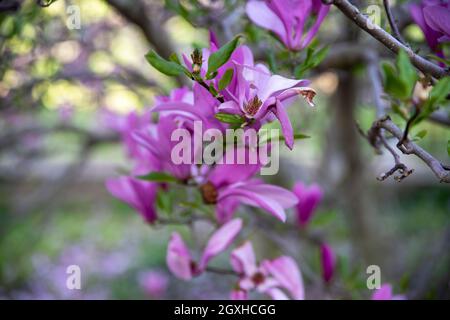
{"points": [[420, 135], [221, 56], [169, 68], [406, 72], [448, 148], [226, 78], [174, 58], [229, 118], [157, 176]]}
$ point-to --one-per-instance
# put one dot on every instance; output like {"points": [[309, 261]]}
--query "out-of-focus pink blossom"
{"points": [[433, 16], [328, 262], [180, 261], [308, 200], [154, 284], [139, 194], [271, 277], [287, 19], [385, 293]]}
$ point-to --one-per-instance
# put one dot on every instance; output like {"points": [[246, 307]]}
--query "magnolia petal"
{"points": [[220, 241], [178, 258], [286, 126], [285, 271], [243, 259]]}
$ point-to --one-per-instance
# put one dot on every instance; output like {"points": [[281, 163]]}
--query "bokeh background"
{"points": [[56, 152]]}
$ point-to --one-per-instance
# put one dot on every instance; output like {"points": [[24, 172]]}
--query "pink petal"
{"points": [[262, 16], [308, 200], [286, 126], [384, 293], [328, 262], [220, 241], [178, 258], [243, 259], [285, 271], [137, 193]]}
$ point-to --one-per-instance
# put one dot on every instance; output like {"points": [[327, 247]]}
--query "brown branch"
{"points": [[387, 39], [396, 33], [408, 147]]}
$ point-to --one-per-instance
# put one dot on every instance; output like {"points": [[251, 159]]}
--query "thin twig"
{"points": [[396, 33]]}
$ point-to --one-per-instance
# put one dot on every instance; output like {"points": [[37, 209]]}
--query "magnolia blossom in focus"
{"points": [[259, 96], [180, 261], [287, 19], [272, 277], [228, 185]]}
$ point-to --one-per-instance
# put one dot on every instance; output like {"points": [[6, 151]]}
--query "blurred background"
{"points": [[56, 150]]}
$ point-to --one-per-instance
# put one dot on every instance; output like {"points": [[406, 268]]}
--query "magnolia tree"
{"points": [[214, 139], [205, 156]]}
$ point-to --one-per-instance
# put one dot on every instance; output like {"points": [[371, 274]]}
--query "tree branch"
{"points": [[386, 39]]}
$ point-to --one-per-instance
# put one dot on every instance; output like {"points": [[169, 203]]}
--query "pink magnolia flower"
{"points": [[328, 262], [259, 96], [432, 17], [154, 284], [126, 125], [139, 194], [287, 19], [179, 259], [385, 293], [157, 141], [271, 277], [308, 200], [228, 185]]}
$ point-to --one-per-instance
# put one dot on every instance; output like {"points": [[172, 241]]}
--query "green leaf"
{"points": [[406, 72], [229, 118], [221, 56], [391, 83], [438, 96], [226, 78], [169, 68], [420, 135], [157, 176], [174, 58], [448, 148]]}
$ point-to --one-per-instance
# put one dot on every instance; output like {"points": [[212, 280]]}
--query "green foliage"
{"points": [[226, 78], [158, 177], [313, 59], [229, 118], [399, 80], [169, 68], [221, 56]]}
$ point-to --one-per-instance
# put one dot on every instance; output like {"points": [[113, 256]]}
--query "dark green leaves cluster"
{"points": [[399, 80]]}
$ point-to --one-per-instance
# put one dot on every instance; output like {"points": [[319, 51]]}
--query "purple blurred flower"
{"points": [[328, 262], [229, 185], [259, 96], [433, 17], [65, 112], [154, 284], [308, 200], [157, 141], [269, 277], [287, 19], [179, 259], [139, 194], [385, 293]]}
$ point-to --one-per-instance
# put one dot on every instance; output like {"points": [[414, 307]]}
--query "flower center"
{"points": [[209, 193], [258, 278], [252, 106]]}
